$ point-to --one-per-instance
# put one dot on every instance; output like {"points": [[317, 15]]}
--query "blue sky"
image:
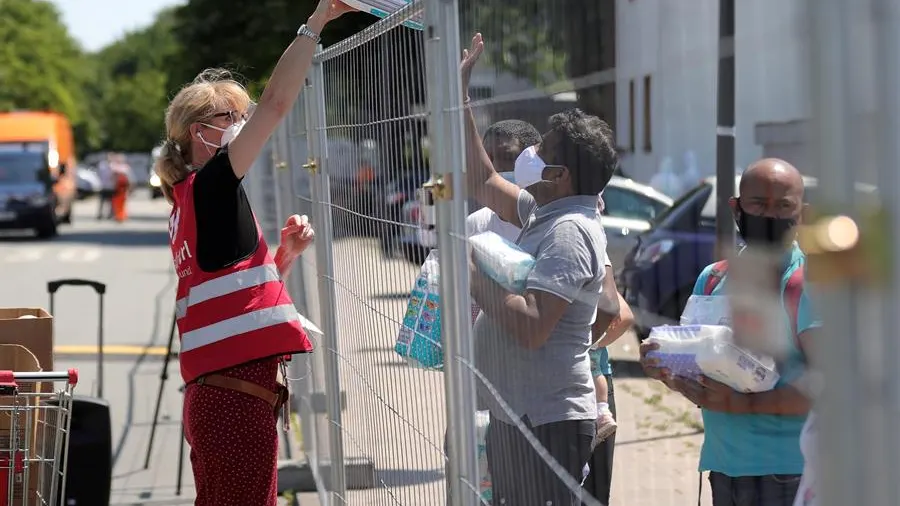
{"points": [[96, 23]]}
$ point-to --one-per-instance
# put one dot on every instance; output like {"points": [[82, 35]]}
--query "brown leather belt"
{"points": [[274, 399]]}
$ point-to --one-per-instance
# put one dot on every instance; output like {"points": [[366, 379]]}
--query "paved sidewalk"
{"points": [[395, 415]]}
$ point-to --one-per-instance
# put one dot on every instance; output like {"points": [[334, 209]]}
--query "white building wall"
{"points": [[676, 43]]}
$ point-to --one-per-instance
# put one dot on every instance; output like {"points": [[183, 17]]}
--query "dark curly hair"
{"points": [[586, 145], [522, 131]]}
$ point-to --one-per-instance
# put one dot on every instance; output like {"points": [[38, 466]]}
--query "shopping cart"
{"points": [[34, 434]]}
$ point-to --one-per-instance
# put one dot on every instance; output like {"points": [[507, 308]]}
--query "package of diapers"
{"points": [[707, 310], [419, 338], [482, 421], [690, 351], [501, 260]]}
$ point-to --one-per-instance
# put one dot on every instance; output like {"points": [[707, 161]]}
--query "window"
{"points": [[622, 203], [631, 118], [648, 126]]}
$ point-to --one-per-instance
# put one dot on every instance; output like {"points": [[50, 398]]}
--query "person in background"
{"points": [[236, 321], [751, 443], [666, 180], [533, 347], [122, 177], [690, 173], [601, 369], [107, 187], [503, 141]]}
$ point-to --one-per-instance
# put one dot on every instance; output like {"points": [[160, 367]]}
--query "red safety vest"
{"points": [[232, 316]]}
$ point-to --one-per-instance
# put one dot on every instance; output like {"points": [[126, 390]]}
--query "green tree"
{"points": [[565, 43], [250, 44], [41, 66], [130, 92], [247, 37]]}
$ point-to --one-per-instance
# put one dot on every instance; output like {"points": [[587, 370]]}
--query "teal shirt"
{"points": [[759, 445]]}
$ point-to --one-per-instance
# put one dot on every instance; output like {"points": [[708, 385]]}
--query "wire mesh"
{"points": [[649, 69]]}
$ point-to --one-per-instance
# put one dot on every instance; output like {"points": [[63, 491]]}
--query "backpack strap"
{"points": [[793, 291], [715, 276]]}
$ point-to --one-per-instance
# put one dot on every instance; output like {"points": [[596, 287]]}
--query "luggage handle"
{"points": [[98, 287]]}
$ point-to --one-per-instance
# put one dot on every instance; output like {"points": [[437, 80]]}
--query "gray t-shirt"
{"points": [[552, 383]]}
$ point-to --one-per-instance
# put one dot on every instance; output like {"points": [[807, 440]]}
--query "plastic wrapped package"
{"points": [[707, 310], [501, 260], [419, 337], [482, 421], [693, 350]]}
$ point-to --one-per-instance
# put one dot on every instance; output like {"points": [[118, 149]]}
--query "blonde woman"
{"points": [[235, 318]]}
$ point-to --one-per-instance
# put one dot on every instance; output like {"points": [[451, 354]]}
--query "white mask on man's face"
{"points": [[529, 167], [228, 134]]}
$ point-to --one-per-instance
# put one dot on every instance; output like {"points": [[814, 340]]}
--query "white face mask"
{"points": [[228, 134], [529, 168]]}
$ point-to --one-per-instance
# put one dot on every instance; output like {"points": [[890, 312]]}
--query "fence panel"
{"points": [[370, 138], [381, 124]]}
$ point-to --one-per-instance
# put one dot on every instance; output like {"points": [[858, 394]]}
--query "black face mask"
{"points": [[763, 230]]}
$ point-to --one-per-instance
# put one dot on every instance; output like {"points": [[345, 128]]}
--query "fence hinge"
{"points": [[282, 165], [312, 166], [439, 189]]}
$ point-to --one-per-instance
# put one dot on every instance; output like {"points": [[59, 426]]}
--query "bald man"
{"points": [[751, 442]]}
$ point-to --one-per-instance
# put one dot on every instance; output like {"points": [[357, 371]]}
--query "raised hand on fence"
{"points": [[330, 10], [469, 59]]}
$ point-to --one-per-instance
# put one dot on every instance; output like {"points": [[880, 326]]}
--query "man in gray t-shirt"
{"points": [[532, 347]]}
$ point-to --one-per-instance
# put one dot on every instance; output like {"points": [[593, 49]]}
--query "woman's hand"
{"points": [[296, 235], [329, 10]]}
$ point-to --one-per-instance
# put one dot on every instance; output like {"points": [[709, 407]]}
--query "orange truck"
{"points": [[37, 171]]}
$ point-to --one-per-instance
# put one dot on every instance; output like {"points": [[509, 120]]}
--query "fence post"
{"points": [[448, 163], [321, 196], [854, 81]]}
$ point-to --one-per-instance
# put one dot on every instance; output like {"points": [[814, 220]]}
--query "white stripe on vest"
{"points": [[247, 322], [225, 285]]}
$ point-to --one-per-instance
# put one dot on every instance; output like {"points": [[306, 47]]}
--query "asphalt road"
{"points": [[134, 262], [132, 259]]}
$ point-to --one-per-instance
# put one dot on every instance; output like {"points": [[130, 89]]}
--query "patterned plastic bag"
{"points": [[419, 338]]}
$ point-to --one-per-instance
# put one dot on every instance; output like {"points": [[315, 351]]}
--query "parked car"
{"points": [[658, 273], [37, 171], [27, 199], [87, 182], [394, 212], [629, 209]]}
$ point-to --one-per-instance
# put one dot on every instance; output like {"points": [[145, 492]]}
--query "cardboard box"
{"points": [[35, 333], [16, 438]]}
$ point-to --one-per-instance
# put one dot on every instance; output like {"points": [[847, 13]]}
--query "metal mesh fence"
{"points": [[389, 421]]}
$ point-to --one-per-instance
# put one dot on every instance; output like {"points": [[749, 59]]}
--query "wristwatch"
{"points": [[305, 31]]}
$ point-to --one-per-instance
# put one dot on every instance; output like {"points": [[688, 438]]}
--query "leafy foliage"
{"points": [[41, 66], [116, 97]]}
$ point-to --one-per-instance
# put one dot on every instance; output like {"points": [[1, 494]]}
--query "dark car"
{"points": [[658, 274], [395, 195], [27, 199]]}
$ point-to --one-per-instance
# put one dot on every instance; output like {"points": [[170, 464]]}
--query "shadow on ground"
{"points": [[407, 477]]}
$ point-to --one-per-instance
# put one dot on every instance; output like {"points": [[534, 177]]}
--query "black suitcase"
{"points": [[100, 288], [89, 464]]}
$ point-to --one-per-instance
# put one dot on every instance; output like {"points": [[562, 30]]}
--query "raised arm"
{"points": [[482, 181], [282, 89]]}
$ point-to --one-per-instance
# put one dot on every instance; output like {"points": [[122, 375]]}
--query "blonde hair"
{"points": [[214, 90]]}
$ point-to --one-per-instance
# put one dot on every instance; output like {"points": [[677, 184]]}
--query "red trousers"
{"points": [[234, 440]]}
